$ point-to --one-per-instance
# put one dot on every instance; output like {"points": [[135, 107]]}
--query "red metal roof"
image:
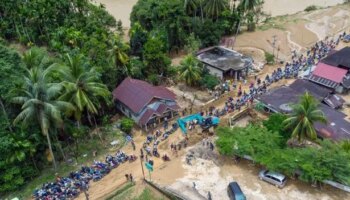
{"points": [[136, 94], [329, 72], [161, 108], [147, 115]]}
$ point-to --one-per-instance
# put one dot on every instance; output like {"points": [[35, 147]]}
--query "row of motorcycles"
{"points": [[68, 187], [119, 158]]}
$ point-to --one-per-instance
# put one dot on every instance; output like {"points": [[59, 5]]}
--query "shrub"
{"points": [[275, 124], [153, 79], [310, 8], [269, 58], [209, 81], [126, 124]]}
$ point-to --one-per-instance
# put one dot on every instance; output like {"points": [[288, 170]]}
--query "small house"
{"points": [[146, 104], [225, 63]]}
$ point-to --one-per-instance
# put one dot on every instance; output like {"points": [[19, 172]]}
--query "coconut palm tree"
{"points": [[249, 8], [303, 117], [119, 53], [190, 72], [249, 5], [213, 8], [191, 6], [82, 86], [33, 57], [38, 98]]}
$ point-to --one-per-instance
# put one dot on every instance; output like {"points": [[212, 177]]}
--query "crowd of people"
{"points": [[78, 181], [150, 146], [291, 70]]}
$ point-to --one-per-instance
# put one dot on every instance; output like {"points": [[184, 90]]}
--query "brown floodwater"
{"points": [[121, 9]]}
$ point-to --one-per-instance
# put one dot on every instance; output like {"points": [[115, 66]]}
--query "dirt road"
{"points": [[209, 176]]}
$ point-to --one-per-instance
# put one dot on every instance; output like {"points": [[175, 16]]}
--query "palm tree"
{"points": [[249, 8], [119, 53], [81, 86], [249, 5], [190, 71], [33, 57], [39, 103], [191, 6], [213, 8], [303, 117]]}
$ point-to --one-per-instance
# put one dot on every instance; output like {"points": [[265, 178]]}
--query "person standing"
{"points": [[209, 196], [131, 178], [211, 146], [84, 189], [133, 145]]}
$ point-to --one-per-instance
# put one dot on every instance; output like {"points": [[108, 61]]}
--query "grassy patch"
{"points": [[276, 22], [147, 194], [120, 194]]}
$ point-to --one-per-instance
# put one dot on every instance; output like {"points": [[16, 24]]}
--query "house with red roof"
{"points": [[333, 71], [328, 76], [146, 104]]}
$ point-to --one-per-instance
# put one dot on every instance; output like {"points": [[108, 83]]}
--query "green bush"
{"points": [[310, 8], [209, 81], [275, 124], [153, 79], [126, 124], [269, 58]]}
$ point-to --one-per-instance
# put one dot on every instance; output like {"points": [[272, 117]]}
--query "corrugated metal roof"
{"points": [[302, 85], [329, 72], [340, 58], [136, 94], [147, 115], [323, 81]]}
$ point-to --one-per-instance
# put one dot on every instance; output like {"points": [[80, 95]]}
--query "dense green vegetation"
{"points": [[328, 161], [269, 145], [77, 27], [176, 20], [50, 99], [40, 105]]}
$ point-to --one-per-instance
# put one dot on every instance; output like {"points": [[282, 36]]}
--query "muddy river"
{"points": [[121, 9]]}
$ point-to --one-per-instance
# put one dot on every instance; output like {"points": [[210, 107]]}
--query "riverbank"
{"points": [[296, 32]]}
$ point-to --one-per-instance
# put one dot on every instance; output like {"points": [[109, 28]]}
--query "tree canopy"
{"points": [[303, 117], [329, 161]]}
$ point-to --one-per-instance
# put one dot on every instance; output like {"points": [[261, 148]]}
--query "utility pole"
{"points": [[278, 50], [274, 44], [143, 172]]}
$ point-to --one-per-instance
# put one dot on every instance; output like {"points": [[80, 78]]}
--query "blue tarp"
{"points": [[182, 121]]}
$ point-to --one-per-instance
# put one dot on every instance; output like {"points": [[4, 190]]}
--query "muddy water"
{"points": [[284, 7], [121, 9], [214, 178]]}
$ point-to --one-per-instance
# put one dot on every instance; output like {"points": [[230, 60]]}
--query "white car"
{"points": [[277, 179]]}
